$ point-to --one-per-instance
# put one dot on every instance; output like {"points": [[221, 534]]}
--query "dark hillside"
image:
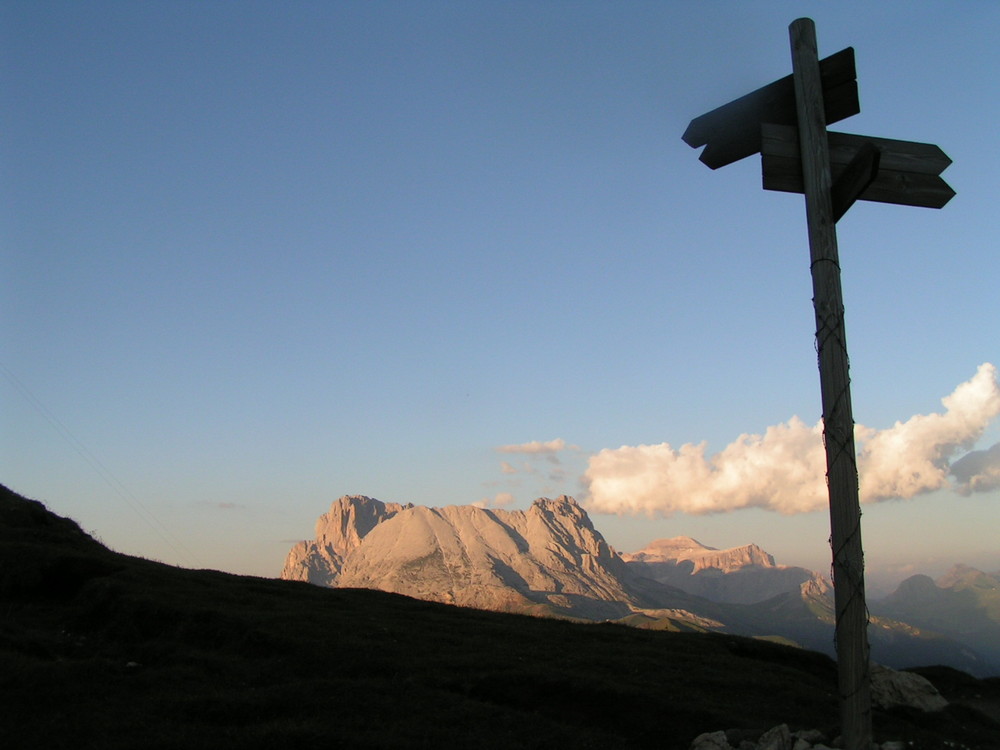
{"points": [[102, 650]]}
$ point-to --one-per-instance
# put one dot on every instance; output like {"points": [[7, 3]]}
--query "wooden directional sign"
{"points": [[786, 121], [732, 131], [907, 171]]}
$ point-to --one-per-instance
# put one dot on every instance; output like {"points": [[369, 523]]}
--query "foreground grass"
{"points": [[100, 650]]}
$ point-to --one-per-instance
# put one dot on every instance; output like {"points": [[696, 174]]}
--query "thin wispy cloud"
{"points": [[535, 447], [500, 500], [557, 475], [222, 505], [540, 470], [784, 469]]}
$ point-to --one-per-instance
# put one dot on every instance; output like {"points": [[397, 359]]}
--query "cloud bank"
{"points": [[784, 469], [978, 471]]}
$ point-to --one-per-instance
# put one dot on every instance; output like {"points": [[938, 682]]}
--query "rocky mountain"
{"points": [[338, 533], [686, 549], [548, 559], [740, 575]]}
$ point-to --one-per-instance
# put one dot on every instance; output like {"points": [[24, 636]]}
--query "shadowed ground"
{"points": [[101, 650]]}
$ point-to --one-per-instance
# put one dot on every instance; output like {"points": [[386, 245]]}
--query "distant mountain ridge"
{"points": [[740, 575], [550, 560], [684, 548], [963, 604]]}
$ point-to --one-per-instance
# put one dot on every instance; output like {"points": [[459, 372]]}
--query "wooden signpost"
{"points": [[732, 131], [786, 122]]}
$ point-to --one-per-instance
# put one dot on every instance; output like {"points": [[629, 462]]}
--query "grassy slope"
{"points": [[106, 651]]}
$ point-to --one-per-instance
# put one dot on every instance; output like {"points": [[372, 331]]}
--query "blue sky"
{"points": [[259, 255]]}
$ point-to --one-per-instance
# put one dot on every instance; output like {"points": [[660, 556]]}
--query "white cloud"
{"points": [[535, 447], [506, 468], [785, 468], [500, 500], [913, 457], [782, 470]]}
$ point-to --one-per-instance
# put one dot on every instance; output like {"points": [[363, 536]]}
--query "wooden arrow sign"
{"points": [[907, 171], [732, 131]]}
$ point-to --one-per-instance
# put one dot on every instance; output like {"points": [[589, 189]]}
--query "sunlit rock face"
{"points": [[686, 549], [338, 533], [740, 575], [547, 559]]}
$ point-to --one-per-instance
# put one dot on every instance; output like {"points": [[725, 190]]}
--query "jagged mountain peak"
{"points": [[559, 502], [353, 516], [338, 532], [739, 575]]}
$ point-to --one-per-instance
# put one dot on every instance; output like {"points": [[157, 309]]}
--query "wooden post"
{"points": [[804, 159], [838, 420]]}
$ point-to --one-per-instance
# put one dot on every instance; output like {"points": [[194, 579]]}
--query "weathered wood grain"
{"points": [[908, 171], [854, 179]]}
